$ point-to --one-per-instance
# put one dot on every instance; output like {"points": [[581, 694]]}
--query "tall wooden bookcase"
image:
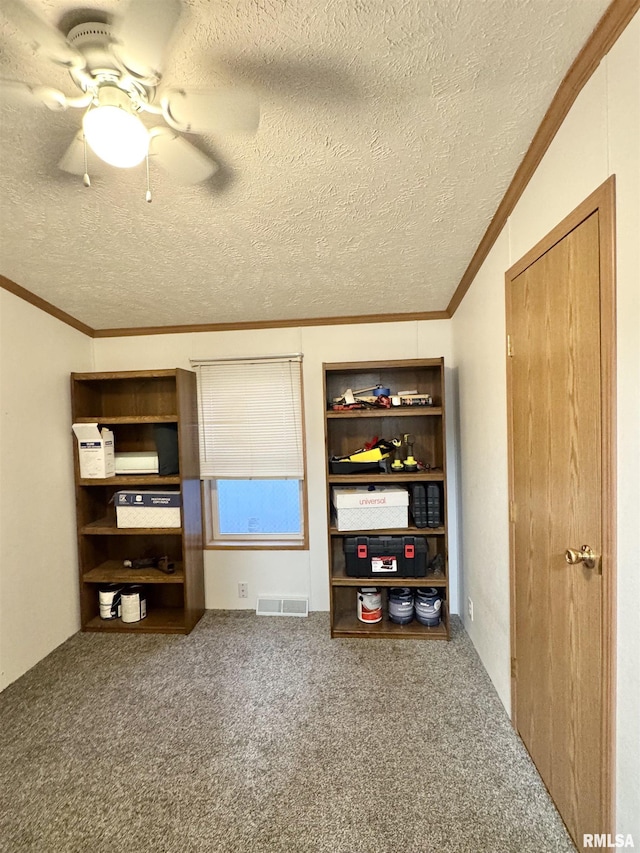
{"points": [[130, 404], [347, 431]]}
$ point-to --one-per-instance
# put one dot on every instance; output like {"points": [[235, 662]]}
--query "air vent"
{"points": [[271, 605]]}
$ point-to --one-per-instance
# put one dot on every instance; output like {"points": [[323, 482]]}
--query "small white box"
{"points": [[361, 508], [147, 509], [142, 462], [95, 451]]}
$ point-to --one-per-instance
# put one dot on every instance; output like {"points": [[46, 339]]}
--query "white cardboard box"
{"points": [[361, 508], [95, 451], [147, 509]]}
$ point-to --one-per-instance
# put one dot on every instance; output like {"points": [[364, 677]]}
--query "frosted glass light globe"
{"points": [[118, 137]]}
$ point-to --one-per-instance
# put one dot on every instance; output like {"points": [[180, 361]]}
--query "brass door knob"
{"points": [[585, 555]]}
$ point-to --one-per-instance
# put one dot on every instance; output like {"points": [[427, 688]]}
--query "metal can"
{"points": [[401, 605], [428, 604], [109, 600], [134, 603], [369, 604]]}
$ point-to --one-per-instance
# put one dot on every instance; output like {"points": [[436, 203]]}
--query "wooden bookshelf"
{"points": [[131, 403], [345, 432]]}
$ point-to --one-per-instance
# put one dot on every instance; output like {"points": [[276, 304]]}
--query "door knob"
{"points": [[584, 555]]}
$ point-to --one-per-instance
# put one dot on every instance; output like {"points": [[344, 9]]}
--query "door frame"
{"points": [[601, 200]]}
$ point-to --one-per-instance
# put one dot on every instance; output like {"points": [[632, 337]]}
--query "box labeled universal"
{"points": [[95, 451], [147, 509], [364, 508]]}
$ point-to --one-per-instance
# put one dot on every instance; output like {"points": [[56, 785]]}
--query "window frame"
{"points": [[213, 540], [251, 541]]}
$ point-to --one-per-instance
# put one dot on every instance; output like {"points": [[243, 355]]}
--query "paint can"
{"points": [[109, 600], [401, 605], [428, 603], [369, 604], [134, 603]]}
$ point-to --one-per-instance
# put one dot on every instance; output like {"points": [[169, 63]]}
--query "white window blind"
{"points": [[250, 418]]}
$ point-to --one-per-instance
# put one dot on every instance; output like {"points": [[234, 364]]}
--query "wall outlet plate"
{"points": [[243, 590]]}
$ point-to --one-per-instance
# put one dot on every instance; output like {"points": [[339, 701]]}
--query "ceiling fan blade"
{"points": [[143, 34], [73, 158], [42, 36], [16, 93], [217, 111], [183, 161], [52, 99]]}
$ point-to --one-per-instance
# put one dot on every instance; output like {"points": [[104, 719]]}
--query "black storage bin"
{"points": [[386, 556], [340, 466], [434, 505], [166, 439]]}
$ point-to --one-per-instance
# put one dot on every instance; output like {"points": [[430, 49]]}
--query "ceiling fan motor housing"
{"points": [[93, 40], [103, 75], [109, 95]]}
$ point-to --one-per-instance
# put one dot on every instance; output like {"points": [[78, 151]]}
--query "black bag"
{"points": [[166, 438]]}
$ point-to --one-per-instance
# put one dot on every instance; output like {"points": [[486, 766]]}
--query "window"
{"points": [[252, 451]]}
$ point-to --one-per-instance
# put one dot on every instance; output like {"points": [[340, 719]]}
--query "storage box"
{"points": [[142, 462], [385, 556], [95, 451], [147, 509], [361, 508]]}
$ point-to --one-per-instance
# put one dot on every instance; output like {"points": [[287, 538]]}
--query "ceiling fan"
{"points": [[116, 67]]}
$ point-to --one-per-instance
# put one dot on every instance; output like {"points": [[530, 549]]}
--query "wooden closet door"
{"points": [[556, 440]]}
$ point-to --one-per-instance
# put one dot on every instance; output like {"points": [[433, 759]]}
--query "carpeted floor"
{"points": [[258, 734]]}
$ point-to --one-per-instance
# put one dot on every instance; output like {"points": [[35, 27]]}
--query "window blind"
{"points": [[250, 418]]}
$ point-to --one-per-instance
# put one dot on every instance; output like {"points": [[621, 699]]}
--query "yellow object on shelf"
{"points": [[373, 455]]}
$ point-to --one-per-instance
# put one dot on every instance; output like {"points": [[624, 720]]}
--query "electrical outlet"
{"points": [[243, 590], [470, 608]]}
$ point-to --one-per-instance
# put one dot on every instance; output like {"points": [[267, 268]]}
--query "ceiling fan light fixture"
{"points": [[113, 132]]}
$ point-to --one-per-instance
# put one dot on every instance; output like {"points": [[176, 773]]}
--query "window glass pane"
{"points": [[257, 507]]}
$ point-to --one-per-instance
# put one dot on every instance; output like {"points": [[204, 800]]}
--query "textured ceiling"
{"points": [[389, 133]]}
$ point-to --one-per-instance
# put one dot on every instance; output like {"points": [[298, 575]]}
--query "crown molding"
{"points": [[43, 305], [270, 324]]}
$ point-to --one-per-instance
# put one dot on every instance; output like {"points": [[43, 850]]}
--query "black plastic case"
{"points": [[386, 556]]}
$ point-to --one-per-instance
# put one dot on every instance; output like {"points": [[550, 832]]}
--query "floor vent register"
{"points": [[269, 605]]}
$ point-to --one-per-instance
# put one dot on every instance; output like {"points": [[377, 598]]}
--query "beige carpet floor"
{"points": [[263, 735]]}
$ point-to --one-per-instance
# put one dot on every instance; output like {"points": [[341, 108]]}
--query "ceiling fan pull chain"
{"points": [[86, 180], [148, 196]]}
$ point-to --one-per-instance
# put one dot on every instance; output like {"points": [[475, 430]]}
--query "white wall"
{"points": [[601, 136], [38, 551], [293, 572]]}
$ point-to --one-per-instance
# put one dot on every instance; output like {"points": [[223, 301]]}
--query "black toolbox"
{"points": [[386, 556]]}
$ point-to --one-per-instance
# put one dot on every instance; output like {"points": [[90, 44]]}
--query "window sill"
{"points": [[244, 545]]}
